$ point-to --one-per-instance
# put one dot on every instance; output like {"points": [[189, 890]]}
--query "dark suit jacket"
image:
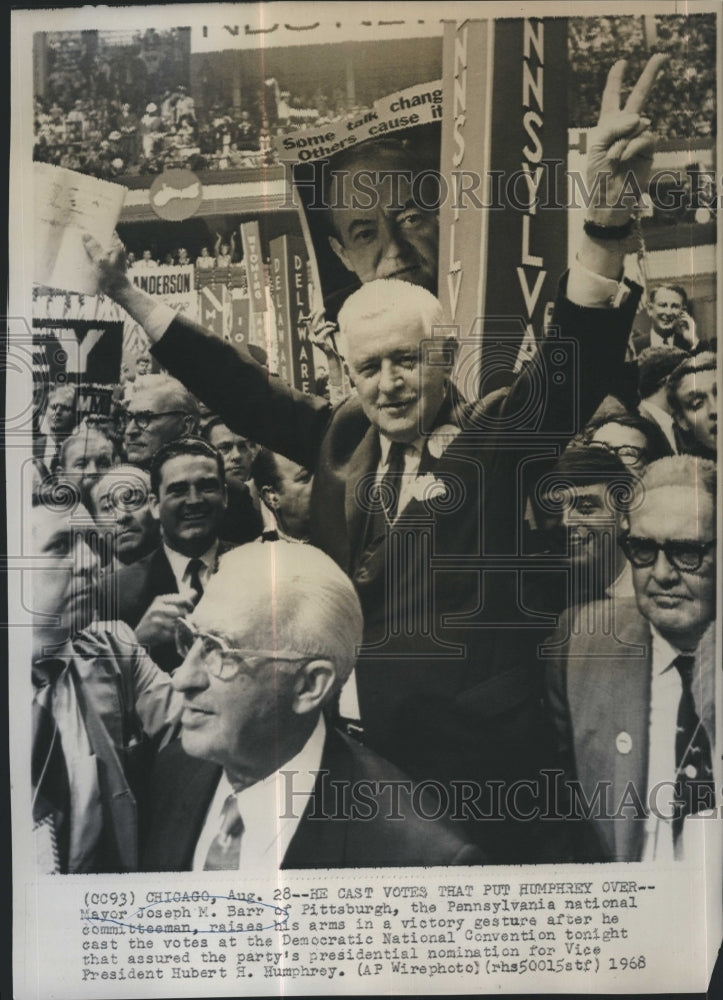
{"points": [[128, 592], [184, 786], [448, 684], [124, 700], [641, 341], [598, 688]]}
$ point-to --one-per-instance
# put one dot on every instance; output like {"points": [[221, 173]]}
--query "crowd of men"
{"points": [[378, 633], [123, 110]]}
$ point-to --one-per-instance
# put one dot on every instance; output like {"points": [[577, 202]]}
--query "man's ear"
{"points": [[190, 424], [624, 523], [312, 685], [681, 421], [270, 497], [154, 506], [340, 252]]}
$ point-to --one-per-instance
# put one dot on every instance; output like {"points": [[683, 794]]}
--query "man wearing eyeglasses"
{"points": [[258, 780], [160, 410], [633, 705]]}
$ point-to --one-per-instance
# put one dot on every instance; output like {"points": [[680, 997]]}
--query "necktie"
{"points": [[51, 787], [224, 854], [391, 484], [194, 578], [694, 791]]}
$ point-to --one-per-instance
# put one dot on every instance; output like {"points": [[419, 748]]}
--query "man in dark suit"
{"points": [[188, 499], [57, 424], [447, 680], [243, 520], [631, 684], [98, 702], [285, 490], [258, 780], [655, 366], [670, 323], [121, 504]]}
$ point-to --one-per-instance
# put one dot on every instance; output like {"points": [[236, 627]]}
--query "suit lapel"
{"points": [[116, 795], [609, 697], [188, 812], [317, 842], [161, 575], [181, 812], [364, 462], [630, 680], [102, 682]]}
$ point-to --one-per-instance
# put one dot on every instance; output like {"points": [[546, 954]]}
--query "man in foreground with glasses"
{"points": [[633, 704], [159, 411], [259, 781]]}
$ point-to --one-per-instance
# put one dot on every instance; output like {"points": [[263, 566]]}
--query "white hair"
{"points": [[681, 471], [176, 394], [378, 300], [285, 595]]}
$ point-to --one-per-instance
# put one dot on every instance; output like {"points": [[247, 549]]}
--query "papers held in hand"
{"points": [[68, 204]]}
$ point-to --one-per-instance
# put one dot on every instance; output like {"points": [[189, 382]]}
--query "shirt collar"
{"points": [[664, 653], [262, 805], [385, 444], [179, 563], [664, 419]]}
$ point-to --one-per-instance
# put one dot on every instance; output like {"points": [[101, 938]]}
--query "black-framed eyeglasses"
{"points": [[629, 454], [224, 661], [685, 556], [144, 417]]}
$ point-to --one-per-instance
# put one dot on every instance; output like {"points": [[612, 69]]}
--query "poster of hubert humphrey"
{"points": [[361, 482]]}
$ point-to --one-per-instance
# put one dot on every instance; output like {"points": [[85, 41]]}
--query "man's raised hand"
{"points": [[110, 264], [620, 151]]}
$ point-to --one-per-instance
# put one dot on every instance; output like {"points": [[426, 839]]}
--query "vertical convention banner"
{"points": [[254, 261], [290, 295], [507, 156], [464, 165], [240, 318], [527, 235], [214, 311]]}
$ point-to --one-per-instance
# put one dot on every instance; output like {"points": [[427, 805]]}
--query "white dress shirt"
{"points": [[179, 565], [269, 825]]}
